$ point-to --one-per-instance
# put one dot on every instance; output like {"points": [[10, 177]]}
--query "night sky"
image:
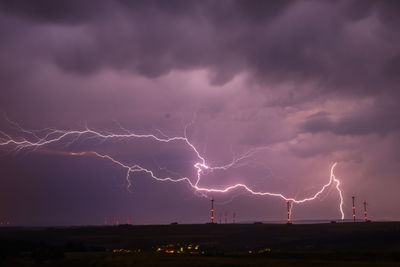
{"points": [[311, 82]]}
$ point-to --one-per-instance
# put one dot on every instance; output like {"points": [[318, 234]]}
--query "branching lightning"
{"points": [[45, 137]]}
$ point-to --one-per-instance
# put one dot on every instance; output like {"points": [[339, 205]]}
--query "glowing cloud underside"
{"points": [[45, 137]]}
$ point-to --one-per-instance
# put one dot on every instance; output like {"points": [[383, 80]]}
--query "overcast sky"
{"points": [[313, 82]]}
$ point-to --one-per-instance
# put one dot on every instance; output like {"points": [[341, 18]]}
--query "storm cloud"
{"points": [[315, 82]]}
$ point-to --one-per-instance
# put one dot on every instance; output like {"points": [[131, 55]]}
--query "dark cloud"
{"points": [[313, 82], [318, 122], [274, 41], [378, 118], [47, 11]]}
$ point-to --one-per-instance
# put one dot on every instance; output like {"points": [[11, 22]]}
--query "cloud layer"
{"points": [[315, 81]]}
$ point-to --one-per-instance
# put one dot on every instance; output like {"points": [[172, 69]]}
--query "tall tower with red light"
{"points": [[288, 211], [354, 208], [365, 211], [212, 210]]}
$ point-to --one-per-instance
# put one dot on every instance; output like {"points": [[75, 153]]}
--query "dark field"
{"points": [[341, 244]]}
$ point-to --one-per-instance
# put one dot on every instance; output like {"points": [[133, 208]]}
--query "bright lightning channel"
{"points": [[51, 136]]}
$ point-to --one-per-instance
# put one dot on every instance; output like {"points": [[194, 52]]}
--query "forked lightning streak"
{"points": [[38, 139]]}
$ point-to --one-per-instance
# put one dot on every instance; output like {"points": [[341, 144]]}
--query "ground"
{"points": [[338, 244]]}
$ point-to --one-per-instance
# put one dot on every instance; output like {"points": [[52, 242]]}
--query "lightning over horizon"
{"points": [[40, 139], [147, 110]]}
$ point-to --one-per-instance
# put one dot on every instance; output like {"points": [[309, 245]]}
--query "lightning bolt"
{"points": [[45, 137]]}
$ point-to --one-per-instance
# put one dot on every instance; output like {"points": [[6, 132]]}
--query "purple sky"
{"points": [[316, 82]]}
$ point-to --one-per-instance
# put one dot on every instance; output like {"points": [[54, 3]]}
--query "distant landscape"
{"points": [[346, 244]]}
